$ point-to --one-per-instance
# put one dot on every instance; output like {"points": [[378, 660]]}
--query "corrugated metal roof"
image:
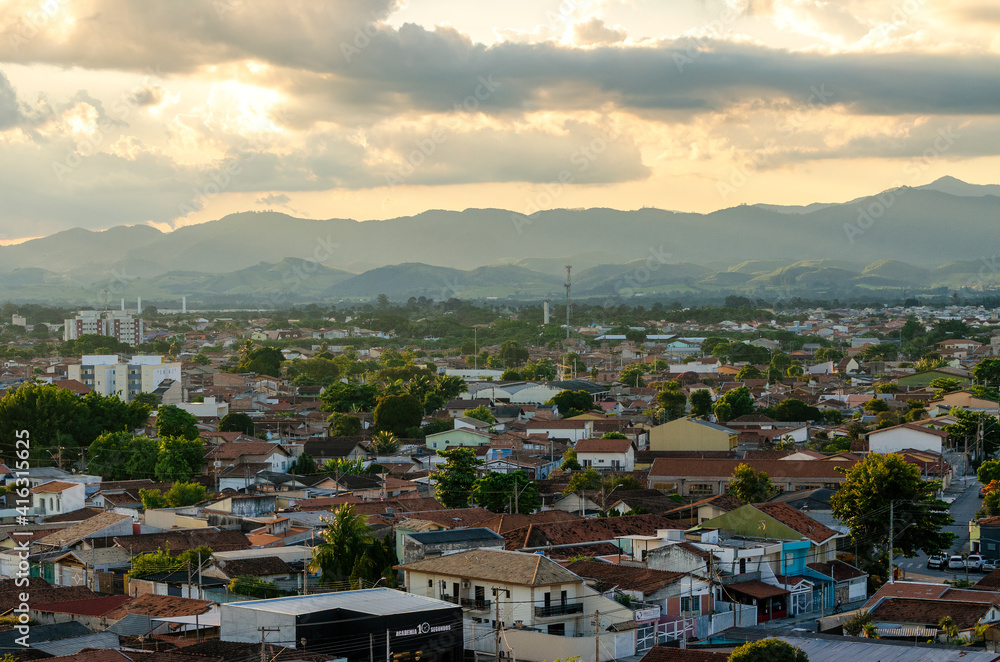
{"points": [[74, 645], [456, 535], [132, 625], [376, 601]]}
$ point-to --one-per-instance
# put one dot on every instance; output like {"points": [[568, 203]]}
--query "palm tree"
{"points": [[345, 539], [245, 347], [384, 443], [948, 626]]}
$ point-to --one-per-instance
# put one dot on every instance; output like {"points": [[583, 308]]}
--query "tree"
{"points": [[876, 406], [632, 375], [339, 466], [254, 587], [613, 435], [793, 409], [45, 411], [148, 401], [701, 403], [723, 412], [172, 421], [344, 425], [384, 443], [454, 480], [122, 455], [185, 494], [969, 424], [396, 413], [588, 479], [572, 403], [739, 400], [750, 486], [481, 413], [512, 354], [507, 493], [511, 375], [262, 361], [317, 371], [344, 398], [862, 503], [345, 538], [179, 459], [672, 399], [237, 422], [987, 372], [152, 499], [768, 650], [795, 371], [304, 465], [943, 385], [749, 372], [988, 471], [200, 359], [570, 463]]}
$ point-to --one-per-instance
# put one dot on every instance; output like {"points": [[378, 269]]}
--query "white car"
{"points": [[956, 562], [973, 561]]}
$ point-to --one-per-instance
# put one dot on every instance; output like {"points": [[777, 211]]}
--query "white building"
{"points": [[57, 497], [907, 436], [606, 454], [117, 324], [108, 375]]}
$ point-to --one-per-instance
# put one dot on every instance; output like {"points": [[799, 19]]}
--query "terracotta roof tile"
{"points": [[53, 486], [160, 606], [86, 607], [497, 566], [796, 520], [929, 612], [603, 445], [627, 578]]}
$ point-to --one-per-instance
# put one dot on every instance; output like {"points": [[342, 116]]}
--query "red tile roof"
{"points": [[723, 469], [603, 445], [627, 578], [161, 606], [796, 520], [929, 612], [756, 589], [86, 607], [53, 486]]}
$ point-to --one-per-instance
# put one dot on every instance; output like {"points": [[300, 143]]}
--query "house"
{"points": [[458, 408], [440, 441], [335, 448], [691, 434], [779, 521], [705, 477], [432, 544], [57, 497], [247, 453], [896, 613], [850, 584], [267, 568], [534, 592], [907, 436], [924, 379], [606, 454]]}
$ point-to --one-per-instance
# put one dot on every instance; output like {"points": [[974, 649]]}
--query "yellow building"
{"points": [[691, 434]]}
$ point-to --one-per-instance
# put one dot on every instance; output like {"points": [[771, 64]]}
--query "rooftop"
{"points": [[375, 601], [494, 565]]}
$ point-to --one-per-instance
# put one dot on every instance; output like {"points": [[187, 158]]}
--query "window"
{"points": [[557, 629], [669, 488], [691, 604], [701, 489], [430, 583]]}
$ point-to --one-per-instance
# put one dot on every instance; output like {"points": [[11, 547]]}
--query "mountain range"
{"points": [[940, 235]]}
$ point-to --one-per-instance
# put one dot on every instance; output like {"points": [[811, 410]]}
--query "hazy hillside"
{"points": [[909, 237]]}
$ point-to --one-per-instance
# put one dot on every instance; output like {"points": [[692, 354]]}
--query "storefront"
{"points": [[361, 626]]}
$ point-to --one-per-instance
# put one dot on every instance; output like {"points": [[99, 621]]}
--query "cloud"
{"points": [[10, 110], [595, 31], [279, 199]]}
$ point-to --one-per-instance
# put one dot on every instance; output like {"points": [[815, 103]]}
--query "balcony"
{"points": [[559, 610], [450, 598], [476, 605]]}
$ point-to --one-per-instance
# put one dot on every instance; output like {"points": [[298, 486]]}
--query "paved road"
{"points": [[964, 508]]}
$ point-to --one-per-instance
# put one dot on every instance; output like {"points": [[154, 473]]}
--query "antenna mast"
{"points": [[568, 287]]}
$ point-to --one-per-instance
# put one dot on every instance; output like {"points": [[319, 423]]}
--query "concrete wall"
{"points": [[539, 647], [241, 625], [685, 435]]}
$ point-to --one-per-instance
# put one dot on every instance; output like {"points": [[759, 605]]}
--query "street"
{"points": [[964, 508]]}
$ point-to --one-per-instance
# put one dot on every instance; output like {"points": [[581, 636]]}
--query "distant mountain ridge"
{"points": [[926, 236]]}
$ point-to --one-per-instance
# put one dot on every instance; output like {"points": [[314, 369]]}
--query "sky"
{"points": [[169, 113]]}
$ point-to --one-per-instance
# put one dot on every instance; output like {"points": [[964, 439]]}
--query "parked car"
{"points": [[973, 561], [956, 562], [989, 565], [936, 561]]}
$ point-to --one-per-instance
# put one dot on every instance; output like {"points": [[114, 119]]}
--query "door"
{"points": [[456, 593], [480, 597]]}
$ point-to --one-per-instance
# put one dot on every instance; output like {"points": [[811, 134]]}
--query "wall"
{"points": [[683, 435], [539, 647], [899, 439]]}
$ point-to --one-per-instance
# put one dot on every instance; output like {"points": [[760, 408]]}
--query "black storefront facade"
{"points": [[375, 625]]}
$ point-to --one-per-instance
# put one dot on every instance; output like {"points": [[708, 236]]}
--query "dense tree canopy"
{"points": [[455, 478], [172, 421], [768, 650], [507, 493], [397, 413], [179, 459], [862, 503], [572, 403], [237, 422], [123, 456], [343, 398], [750, 486], [701, 402]]}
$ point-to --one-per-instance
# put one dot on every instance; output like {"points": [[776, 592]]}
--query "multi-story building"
{"points": [[109, 375], [117, 324]]}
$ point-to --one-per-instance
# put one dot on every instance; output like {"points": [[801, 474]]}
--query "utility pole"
{"points": [[597, 635], [263, 632], [891, 578], [496, 622]]}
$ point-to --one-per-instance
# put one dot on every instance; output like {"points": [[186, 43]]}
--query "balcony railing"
{"points": [[559, 610], [472, 603], [450, 598]]}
